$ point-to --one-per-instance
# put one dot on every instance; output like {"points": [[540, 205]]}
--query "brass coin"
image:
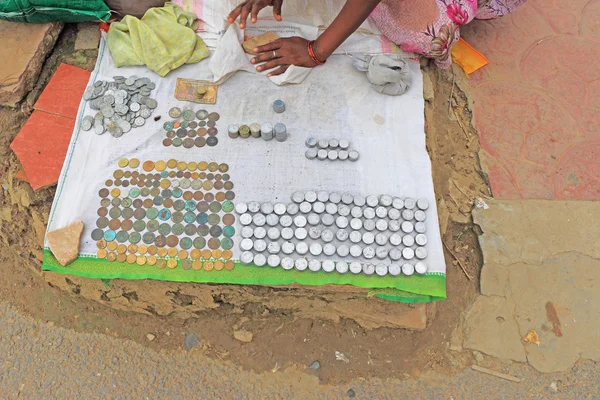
{"points": [[172, 252], [192, 166], [141, 260], [172, 163], [154, 192], [132, 248], [121, 258], [142, 249], [229, 265], [102, 253], [118, 174], [220, 196], [207, 185], [127, 174], [131, 258], [115, 192], [172, 263], [202, 175], [216, 253], [228, 219], [151, 260], [182, 254], [214, 243], [195, 254], [152, 250], [111, 256], [202, 165], [206, 254], [162, 252], [134, 163], [121, 249], [101, 244], [186, 264], [213, 167], [161, 263], [108, 182], [197, 265], [165, 183], [123, 162], [208, 265], [181, 165], [219, 265], [111, 246], [160, 165], [148, 166], [227, 254]]}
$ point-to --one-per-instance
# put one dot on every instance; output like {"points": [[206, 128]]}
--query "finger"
{"points": [[274, 45], [279, 70], [235, 13], [270, 65], [254, 15], [263, 57], [244, 15], [277, 9]]}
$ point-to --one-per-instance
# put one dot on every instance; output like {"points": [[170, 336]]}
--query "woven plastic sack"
{"points": [[39, 11]]}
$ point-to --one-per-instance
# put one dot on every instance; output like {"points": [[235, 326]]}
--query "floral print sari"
{"points": [[431, 27]]}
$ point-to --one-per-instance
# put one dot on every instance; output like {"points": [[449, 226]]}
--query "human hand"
{"points": [[252, 7], [282, 53]]}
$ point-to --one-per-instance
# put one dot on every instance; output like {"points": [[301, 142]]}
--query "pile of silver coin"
{"points": [[318, 230], [265, 131], [330, 149], [122, 104]]}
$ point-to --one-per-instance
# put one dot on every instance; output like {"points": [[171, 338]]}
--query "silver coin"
{"points": [[247, 232], [395, 239], [322, 154], [288, 247], [342, 235], [314, 232], [311, 142], [300, 221], [87, 122], [421, 239], [381, 269], [313, 219], [197, 185], [274, 233], [369, 224], [266, 208], [301, 248], [408, 240], [329, 249], [316, 249], [420, 227], [314, 265], [394, 269], [305, 207], [355, 237], [394, 225], [300, 233], [353, 155], [260, 245], [420, 215], [135, 107], [343, 155], [335, 197], [368, 269], [355, 267], [359, 201], [273, 260], [272, 219], [341, 222], [292, 208], [301, 264], [420, 268], [328, 266], [409, 203], [343, 210], [318, 207], [327, 235], [333, 143], [279, 208], [322, 196], [356, 223], [246, 258], [273, 248], [202, 114], [332, 155], [355, 251], [423, 204], [395, 254], [285, 221], [287, 263], [372, 201], [323, 144], [407, 227], [408, 269], [331, 208], [185, 183], [421, 253], [259, 219], [245, 219], [381, 225], [381, 212], [287, 233], [369, 213], [368, 252], [343, 250], [385, 200], [341, 267], [356, 212], [381, 253], [398, 203], [246, 244], [298, 197], [407, 215], [98, 129], [343, 144], [175, 183], [327, 219], [254, 206], [310, 196], [381, 239], [408, 253], [394, 214], [260, 232]]}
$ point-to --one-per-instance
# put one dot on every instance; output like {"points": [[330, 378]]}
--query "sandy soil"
{"points": [[290, 326]]}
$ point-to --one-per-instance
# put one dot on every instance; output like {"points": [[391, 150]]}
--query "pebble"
{"points": [[190, 340], [315, 365], [243, 335], [150, 337]]}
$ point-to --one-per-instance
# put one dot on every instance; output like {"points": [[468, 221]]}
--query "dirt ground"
{"points": [[290, 326]]}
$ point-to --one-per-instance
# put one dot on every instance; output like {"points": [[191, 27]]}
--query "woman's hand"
{"points": [[282, 53], [252, 7]]}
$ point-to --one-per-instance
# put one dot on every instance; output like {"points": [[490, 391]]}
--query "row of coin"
{"points": [[189, 133], [330, 149], [266, 131], [342, 267]]}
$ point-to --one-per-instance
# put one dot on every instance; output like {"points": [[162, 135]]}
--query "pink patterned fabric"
{"points": [[431, 27]]}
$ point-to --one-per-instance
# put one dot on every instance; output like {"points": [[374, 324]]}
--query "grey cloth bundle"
{"points": [[388, 73]]}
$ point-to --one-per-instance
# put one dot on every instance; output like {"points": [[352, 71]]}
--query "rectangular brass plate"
{"points": [[184, 91]]}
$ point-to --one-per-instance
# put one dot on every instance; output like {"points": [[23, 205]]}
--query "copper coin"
{"points": [[148, 166], [160, 241], [219, 265], [211, 124], [102, 222], [227, 254], [191, 133], [228, 219], [213, 167], [188, 195], [167, 142], [197, 265], [117, 182], [181, 133], [182, 254], [121, 249], [195, 254], [202, 175], [101, 244], [168, 203], [229, 265], [223, 167], [121, 258], [213, 116], [102, 253], [214, 243], [202, 131], [202, 230], [218, 177], [208, 265], [172, 252], [206, 254], [172, 163], [172, 241], [210, 176], [126, 225], [125, 183], [162, 252], [212, 131], [218, 185], [179, 174], [135, 174], [151, 260], [202, 165], [216, 253], [103, 192], [172, 174], [132, 248], [209, 197], [198, 195], [131, 258], [220, 196], [229, 195], [228, 185], [114, 224], [102, 212], [215, 231], [187, 174], [152, 249], [154, 192], [148, 203], [202, 206], [108, 182], [188, 143], [111, 256], [186, 264], [199, 142]]}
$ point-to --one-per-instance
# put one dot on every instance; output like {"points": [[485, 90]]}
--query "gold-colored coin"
{"points": [[172, 263], [142, 249], [101, 244], [213, 167], [197, 265], [118, 174], [182, 254], [192, 166], [160, 165], [206, 254], [132, 248], [227, 254], [207, 185], [121, 249], [216, 253], [131, 258], [148, 165], [162, 252], [102, 253], [223, 167], [123, 162], [154, 192], [195, 254], [151, 260], [160, 263], [115, 192], [181, 166], [112, 246], [172, 252], [219, 265], [202, 165], [229, 265], [165, 183], [141, 260], [152, 250], [134, 163], [111, 256], [121, 258], [208, 265], [172, 163]]}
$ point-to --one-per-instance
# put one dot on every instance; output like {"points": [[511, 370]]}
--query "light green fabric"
{"points": [[164, 39]]}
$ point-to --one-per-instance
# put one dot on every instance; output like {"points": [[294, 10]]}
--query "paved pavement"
{"points": [[38, 360], [537, 103]]}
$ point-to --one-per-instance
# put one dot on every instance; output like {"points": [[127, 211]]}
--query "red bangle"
{"points": [[312, 55]]}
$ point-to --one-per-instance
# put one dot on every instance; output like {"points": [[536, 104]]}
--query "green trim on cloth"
{"points": [[420, 288]]}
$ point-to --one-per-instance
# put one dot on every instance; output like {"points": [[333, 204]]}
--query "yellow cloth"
{"points": [[164, 39]]}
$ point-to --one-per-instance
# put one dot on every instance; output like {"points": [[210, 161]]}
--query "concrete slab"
{"points": [[541, 272], [88, 36], [23, 51]]}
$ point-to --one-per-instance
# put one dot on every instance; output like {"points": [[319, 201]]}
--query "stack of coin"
{"points": [[191, 129], [330, 149], [123, 104], [267, 131]]}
